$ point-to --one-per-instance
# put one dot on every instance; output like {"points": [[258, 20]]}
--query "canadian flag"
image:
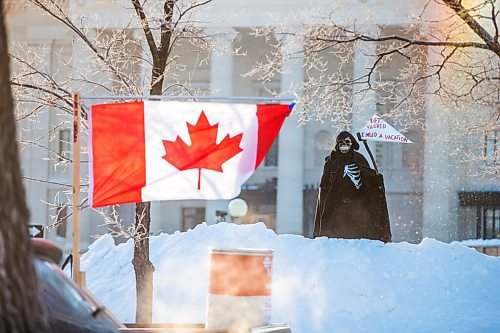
{"points": [[165, 150]]}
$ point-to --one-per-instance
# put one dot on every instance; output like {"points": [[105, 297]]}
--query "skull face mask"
{"points": [[344, 145]]}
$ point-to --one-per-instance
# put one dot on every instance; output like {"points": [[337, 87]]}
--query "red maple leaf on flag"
{"points": [[204, 152]]}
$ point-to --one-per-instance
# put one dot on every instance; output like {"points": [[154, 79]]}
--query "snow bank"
{"points": [[321, 285]]}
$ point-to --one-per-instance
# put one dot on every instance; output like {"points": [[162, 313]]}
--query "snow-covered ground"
{"points": [[321, 285]]}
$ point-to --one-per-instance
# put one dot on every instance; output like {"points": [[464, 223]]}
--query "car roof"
{"points": [[46, 249]]}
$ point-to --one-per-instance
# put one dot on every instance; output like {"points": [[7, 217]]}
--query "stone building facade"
{"points": [[429, 193]]}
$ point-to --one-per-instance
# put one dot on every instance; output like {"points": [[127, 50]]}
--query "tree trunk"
{"points": [[20, 308], [143, 267]]}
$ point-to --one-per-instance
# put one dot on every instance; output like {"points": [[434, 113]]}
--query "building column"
{"points": [[33, 159], [289, 201], [221, 84], [438, 218], [221, 63]]}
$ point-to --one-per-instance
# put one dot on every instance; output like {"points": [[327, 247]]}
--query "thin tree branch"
{"points": [[46, 181], [145, 27], [482, 33]]}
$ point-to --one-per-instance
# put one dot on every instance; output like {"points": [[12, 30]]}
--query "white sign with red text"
{"points": [[378, 130]]}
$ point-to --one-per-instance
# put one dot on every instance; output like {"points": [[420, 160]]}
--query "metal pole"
{"points": [[77, 275], [215, 98]]}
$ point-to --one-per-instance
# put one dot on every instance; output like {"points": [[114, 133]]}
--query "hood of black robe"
{"points": [[342, 135]]}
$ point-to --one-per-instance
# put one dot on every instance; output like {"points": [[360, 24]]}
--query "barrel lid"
{"points": [[242, 251]]}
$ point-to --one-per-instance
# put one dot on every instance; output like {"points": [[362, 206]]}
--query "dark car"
{"points": [[69, 307]]}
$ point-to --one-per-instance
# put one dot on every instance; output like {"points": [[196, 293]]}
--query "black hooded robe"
{"points": [[344, 211]]}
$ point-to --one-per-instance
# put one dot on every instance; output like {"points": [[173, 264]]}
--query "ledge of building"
{"points": [[476, 198]]}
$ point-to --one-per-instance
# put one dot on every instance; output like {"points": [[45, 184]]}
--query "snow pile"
{"points": [[322, 285]]}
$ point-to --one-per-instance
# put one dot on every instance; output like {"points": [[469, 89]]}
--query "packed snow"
{"points": [[318, 285]]}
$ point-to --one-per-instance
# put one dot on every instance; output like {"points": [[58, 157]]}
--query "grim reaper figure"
{"points": [[351, 200]]}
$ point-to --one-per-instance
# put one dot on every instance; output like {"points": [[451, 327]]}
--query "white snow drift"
{"points": [[321, 285]]}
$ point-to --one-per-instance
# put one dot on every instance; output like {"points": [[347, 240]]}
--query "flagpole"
{"points": [[209, 98], [368, 150], [77, 274]]}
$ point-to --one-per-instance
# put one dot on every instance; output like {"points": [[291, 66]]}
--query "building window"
{"points": [[272, 155], [491, 147], [384, 152], [489, 223], [379, 154], [64, 144], [386, 155], [191, 217], [61, 220], [413, 153]]}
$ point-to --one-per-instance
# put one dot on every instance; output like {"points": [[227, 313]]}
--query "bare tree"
{"points": [[115, 61], [449, 50], [20, 307]]}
